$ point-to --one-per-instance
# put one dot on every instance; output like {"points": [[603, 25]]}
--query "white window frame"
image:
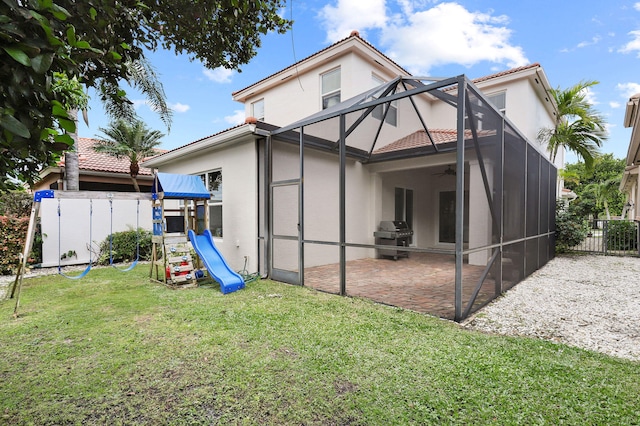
{"points": [[491, 98], [391, 109], [258, 105], [327, 94], [216, 199]]}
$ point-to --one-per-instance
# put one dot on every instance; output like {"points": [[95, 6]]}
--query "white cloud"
{"points": [[235, 119], [614, 104], [137, 103], [349, 15], [450, 34], [633, 45], [219, 75], [589, 96], [178, 107], [594, 40], [636, 6], [628, 89]]}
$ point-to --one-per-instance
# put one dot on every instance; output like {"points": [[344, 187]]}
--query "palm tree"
{"points": [[578, 128], [140, 75], [73, 99], [604, 192], [132, 140]]}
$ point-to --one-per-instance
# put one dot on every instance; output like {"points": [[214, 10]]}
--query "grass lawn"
{"points": [[114, 348]]}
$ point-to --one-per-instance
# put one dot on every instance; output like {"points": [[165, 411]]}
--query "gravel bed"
{"points": [[591, 302]]}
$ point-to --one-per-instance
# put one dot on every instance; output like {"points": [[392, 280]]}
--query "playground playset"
{"points": [[172, 237], [171, 234]]}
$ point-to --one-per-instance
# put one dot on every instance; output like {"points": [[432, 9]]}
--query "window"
{"points": [[330, 88], [213, 181], [391, 108], [498, 100], [257, 110]]}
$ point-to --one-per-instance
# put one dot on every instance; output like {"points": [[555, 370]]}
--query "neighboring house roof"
{"points": [[89, 160], [91, 163]]}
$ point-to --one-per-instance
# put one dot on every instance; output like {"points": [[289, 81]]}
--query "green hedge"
{"points": [[622, 235], [13, 231], [124, 247], [571, 229]]}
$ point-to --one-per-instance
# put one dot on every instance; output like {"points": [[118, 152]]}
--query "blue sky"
{"points": [[572, 40]]}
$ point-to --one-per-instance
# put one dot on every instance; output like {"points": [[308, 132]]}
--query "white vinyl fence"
{"points": [[83, 222]]}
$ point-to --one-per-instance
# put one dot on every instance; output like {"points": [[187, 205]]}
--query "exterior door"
{"points": [[285, 224]]}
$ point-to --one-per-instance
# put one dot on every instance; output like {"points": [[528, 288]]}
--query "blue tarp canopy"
{"points": [[169, 185]]}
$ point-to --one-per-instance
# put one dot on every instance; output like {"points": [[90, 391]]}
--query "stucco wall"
{"points": [[239, 197], [321, 206]]}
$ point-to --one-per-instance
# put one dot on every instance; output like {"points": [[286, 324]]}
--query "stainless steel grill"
{"points": [[393, 233]]}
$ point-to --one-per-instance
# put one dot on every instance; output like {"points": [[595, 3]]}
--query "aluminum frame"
{"points": [[461, 101]]}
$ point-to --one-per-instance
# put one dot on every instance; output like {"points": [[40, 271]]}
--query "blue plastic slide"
{"points": [[218, 268]]}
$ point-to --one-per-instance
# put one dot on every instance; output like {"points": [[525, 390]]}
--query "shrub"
{"points": [[571, 229], [15, 203], [13, 231], [622, 235], [124, 247]]}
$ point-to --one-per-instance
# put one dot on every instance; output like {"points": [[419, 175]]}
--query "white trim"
{"points": [[219, 139]]}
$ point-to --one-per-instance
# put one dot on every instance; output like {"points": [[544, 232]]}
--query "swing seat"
{"points": [[76, 277], [130, 267]]}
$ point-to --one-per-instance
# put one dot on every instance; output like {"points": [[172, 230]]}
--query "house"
{"points": [[346, 140], [98, 172], [629, 183]]}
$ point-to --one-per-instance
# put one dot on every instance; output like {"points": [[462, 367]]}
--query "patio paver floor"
{"points": [[424, 282]]}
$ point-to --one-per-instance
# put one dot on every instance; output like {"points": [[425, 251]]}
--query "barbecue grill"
{"points": [[395, 234]]}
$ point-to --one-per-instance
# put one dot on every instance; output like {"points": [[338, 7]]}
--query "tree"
{"points": [[73, 99], [586, 184], [605, 191], [578, 127], [100, 42], [132, 140]]}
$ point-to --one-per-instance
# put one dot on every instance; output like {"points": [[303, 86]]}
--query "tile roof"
{"points": [[506, 72], [200, 140], [419, 139], [89, 160]]}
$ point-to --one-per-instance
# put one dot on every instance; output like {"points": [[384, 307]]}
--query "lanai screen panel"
{"points": [[483, 153], [508, 187]]}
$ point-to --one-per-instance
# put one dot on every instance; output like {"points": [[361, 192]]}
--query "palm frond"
{"points": [[115, 105], [143, 77], [132, 140], [579, 127]]}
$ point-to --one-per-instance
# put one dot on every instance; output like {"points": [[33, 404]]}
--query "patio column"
{"points": [[480, 225]]}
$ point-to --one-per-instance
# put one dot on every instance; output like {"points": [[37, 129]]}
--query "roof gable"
{"points": [[353, 43]]}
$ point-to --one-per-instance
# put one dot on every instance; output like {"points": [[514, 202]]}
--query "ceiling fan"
{"points": [[449, 171]]}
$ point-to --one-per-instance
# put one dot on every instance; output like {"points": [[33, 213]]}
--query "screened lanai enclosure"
{"points": [[418, 194]]}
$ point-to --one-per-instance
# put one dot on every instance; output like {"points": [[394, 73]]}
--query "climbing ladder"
{"points": [[176, 262]]}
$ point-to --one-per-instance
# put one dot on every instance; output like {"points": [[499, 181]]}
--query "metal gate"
{"points": [[611, 237]]}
